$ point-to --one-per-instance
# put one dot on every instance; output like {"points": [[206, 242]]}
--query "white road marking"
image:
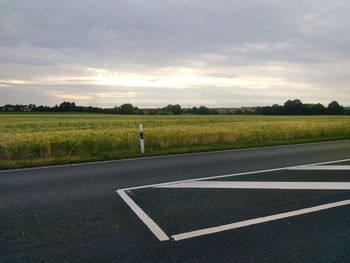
{"points": [[155, 229], [203, 178], [160, 234], [262, 185], [259, 220], [322, 167], [231, 175]]}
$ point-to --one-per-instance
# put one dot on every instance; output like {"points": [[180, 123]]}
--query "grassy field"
{"points": [[43, 139]]}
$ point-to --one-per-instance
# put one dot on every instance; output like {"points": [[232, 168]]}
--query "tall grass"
{"points": [[42, 139]]}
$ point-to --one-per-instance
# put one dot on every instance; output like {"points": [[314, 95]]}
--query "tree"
{"points": [[318, 109], [295, 107], [126, 108], [174, 109], [67, 106], [202, 110], [194, 110], [277, 109], [335, 109]]}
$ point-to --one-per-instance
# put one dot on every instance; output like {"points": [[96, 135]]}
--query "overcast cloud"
{"points": [[155, 52]]}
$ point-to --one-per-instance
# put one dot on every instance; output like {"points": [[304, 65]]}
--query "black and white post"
{"points": [[142, 144]]}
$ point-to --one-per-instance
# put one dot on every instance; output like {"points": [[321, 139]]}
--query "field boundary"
{"points": [[170, 156]]}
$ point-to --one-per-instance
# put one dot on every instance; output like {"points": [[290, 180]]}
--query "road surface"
{"points": [[74, 214]]}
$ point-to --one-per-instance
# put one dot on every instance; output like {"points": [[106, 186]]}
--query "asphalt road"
{"points": [[73, 214]]}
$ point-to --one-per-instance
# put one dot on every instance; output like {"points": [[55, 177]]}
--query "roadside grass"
{"points": [[45, 139]]}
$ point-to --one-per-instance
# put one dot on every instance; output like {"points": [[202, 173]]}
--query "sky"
{"points": [[222, 53]]}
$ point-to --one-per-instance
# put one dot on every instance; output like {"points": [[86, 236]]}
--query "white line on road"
{"points": [[322, 167], [156, 230], [230, 175], [262, 185], [259, 220]]}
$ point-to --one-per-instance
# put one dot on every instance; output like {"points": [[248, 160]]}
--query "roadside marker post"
{"points": [[142, 144]]}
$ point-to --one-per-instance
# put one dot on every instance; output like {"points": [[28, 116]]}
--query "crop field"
{"points": [[43, 139]]}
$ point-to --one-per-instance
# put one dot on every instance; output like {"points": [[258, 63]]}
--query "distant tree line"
{"points": [[126, 108], [296, 107], [290, 107]]}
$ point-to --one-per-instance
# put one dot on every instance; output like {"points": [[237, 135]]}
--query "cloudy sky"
{"points": [[155, 52]]}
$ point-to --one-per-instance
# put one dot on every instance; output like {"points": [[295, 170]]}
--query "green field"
{"points": [[42, 139]]}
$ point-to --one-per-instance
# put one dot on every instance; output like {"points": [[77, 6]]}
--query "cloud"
{"points": [[222, 53]]}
